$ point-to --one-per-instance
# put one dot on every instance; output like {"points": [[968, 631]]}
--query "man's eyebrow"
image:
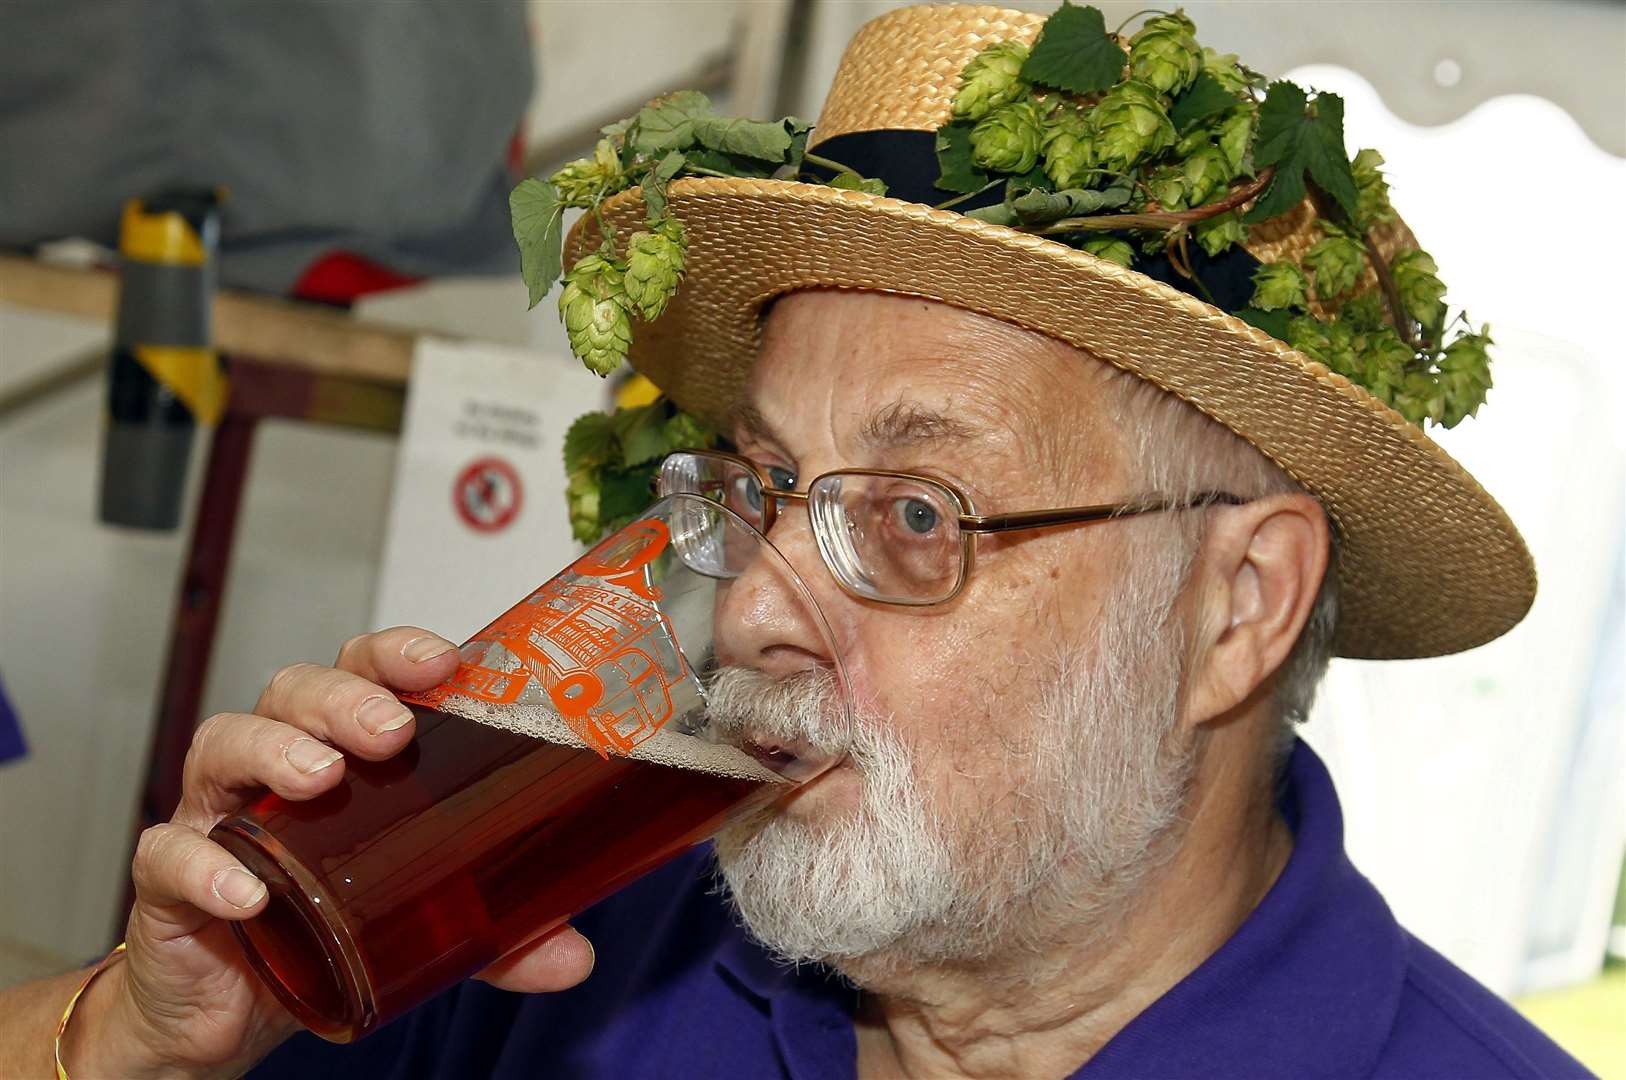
{"points": [[903, 423], [749, 420]]}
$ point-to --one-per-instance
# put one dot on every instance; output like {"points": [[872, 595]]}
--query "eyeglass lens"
{"points": [[884, 537]]}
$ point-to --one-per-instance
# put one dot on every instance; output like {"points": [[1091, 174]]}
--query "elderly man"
{"points": [[1074, 833]]}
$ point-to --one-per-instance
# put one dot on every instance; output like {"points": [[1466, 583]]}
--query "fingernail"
{"points": [[308, 755], [380, 714], [425, 648], [238, 887]]}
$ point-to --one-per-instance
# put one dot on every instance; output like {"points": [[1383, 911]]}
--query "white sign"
{"points": [[478, 516]]}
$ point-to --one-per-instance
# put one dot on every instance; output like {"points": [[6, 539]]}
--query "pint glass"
{"points": [[571, 752]]}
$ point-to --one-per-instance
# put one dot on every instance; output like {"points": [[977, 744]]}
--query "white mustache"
{"points": [[802, 710]]}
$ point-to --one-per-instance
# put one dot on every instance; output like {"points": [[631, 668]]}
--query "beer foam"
{"points": [[666, 747]]}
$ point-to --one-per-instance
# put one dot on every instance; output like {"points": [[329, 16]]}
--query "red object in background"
{"points": [[341, 278], [487, 494]]}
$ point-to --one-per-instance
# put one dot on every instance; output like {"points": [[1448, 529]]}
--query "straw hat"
{"points": [[1429, 563]]}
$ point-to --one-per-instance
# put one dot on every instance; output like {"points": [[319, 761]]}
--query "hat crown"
{"points": [[901, 70]]}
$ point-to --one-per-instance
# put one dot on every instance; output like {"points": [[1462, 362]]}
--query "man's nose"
{"points": [[767, 617]]}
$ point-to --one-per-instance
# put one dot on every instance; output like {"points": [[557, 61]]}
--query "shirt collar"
{"points": [[1312, 976]]}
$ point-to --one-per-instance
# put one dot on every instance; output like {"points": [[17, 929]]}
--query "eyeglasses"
{"points": [[894, 537]]}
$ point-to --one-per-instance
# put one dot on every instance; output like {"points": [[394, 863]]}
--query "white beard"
{"points": [[1064, 831]]}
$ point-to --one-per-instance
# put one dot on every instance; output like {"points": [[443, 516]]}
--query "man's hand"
{"points": [[184, 1000]]}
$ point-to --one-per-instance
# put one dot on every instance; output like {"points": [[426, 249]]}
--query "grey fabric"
{"points": [[378, 127]]}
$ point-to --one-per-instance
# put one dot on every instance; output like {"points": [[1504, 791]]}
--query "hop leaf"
{"points": [[594, 308], [1336, 262], [1464, 376], [1206, 171], [1217, 234], [1165, 55], [589, 442], [993, 78], [1130, 124], [1280, 285], [585, 180], [1074, 52], [1110, 248], [1007, 139], [1066, 146], [1371, 190], [655, 267], [537, 216], [1301, 137], [1417, 280]]}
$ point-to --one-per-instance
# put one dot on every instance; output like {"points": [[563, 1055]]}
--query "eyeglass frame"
{"points": [[969, 521]]}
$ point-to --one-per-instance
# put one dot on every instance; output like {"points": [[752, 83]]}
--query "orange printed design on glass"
{"points": [[590, 642]]}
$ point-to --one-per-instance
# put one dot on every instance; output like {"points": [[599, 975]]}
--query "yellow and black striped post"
{"points": [[165, 376]]}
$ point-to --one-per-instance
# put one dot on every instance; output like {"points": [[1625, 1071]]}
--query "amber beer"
{"points": [[418, 871], [572, 751]]}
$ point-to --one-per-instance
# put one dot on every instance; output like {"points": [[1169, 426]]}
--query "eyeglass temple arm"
{"points": [[1074, 515]]}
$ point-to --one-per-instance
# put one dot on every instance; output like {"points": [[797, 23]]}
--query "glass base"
{"points": [[294, 945]]}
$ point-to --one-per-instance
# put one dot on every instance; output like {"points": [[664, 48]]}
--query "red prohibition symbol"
{"points": [[487, 494]]}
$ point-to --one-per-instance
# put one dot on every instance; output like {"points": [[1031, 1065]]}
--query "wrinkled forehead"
{"points": [[868, 372]]}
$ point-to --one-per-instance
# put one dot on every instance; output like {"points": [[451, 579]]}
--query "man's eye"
{"points": [[783, 479], [917, 515]]}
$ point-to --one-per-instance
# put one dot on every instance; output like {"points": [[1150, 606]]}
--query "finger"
{"points": [[232, 752], [556, 962], [338, 707], [403, 657], [183, 879]]}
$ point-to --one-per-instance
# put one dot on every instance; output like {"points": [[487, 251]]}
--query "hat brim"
{"points": [[1429, 563]]}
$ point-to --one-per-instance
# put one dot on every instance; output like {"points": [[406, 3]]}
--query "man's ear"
{"points": [[1258, 572]]}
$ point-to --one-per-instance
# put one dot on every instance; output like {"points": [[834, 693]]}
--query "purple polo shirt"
{"points": [[1320, 981]]}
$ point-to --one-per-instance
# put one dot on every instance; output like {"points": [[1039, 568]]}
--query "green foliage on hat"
{"points": [[611, 460], [1119, 146], [992, 79]]}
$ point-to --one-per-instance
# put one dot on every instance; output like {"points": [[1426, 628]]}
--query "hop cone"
{"points": [[581, 497], [1066, 147], [654, 267], [1234, 133], [1110, 248], [993, 78], [1130, 124], [1383, 361], [685, 432], [1464, 376], [1371, 190], [1332, 343], [1226, 70], [585, 179], [1165, 55], [1280, 285], [1168, 186], [1336, 262], [1419, 398], [1206, 171], [1217, 234], [1007, 139], [1417, 279], [594, 308]]}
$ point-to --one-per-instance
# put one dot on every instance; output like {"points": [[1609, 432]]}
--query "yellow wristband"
{"points": [[62, 1024]]}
